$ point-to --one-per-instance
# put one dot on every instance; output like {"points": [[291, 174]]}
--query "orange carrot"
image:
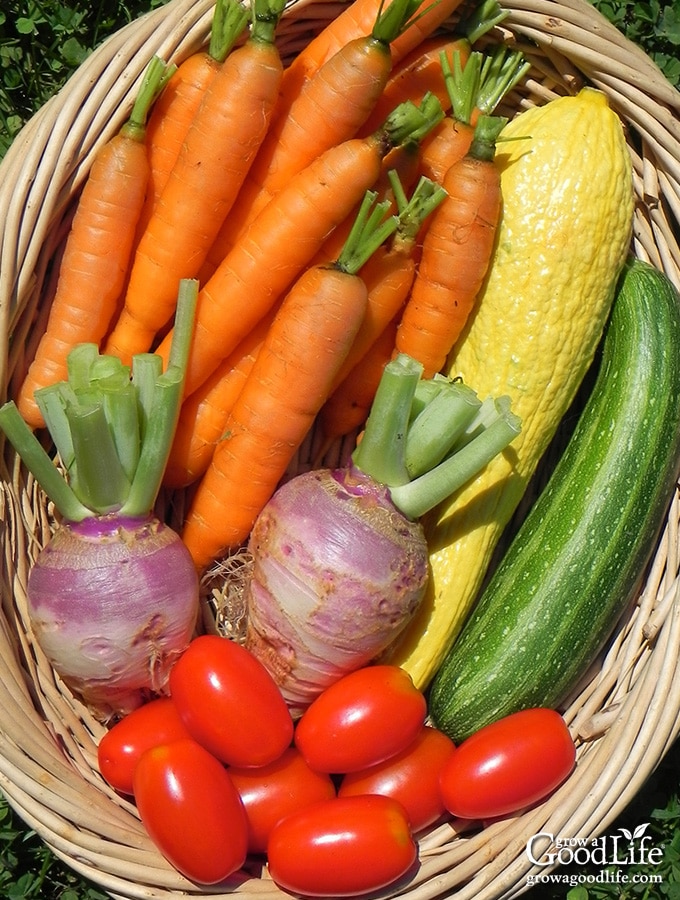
{"points": [[219, 147], [98, 248], [401, 164], [285, 237], [354, 21], [348, 406], [420, 71], [451, 142], [456, 253], [174, 111], [203, 415], [475, 88], [348, 85], [388, 276], [289, 382], [431, 16]]}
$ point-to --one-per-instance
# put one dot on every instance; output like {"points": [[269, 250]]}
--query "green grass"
{"points": [[29, 871], [654, 26], [41, 43]]}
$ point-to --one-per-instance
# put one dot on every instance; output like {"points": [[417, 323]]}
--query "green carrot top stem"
{"points": [[372, 226], [264, 20], [229, 21], [501, 71], [154, 80], [487, 131], [410, 121], [425, 448], [394, 19], [482, 82], [483, 17], [412, 211], [111, 427]]}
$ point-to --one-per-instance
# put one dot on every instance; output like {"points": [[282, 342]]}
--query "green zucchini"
{"points": [[572, 568]]}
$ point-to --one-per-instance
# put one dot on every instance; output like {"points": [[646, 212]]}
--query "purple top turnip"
{"points": [[113, 596], [340, 561]]}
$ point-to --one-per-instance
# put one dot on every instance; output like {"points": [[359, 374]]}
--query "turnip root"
{"points": [[340, 561], [113, 596], [317, 608], [112, 602]]}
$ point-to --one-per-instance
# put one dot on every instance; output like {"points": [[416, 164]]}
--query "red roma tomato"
{"points": [[191, 810], [411, 777], [271, 792], [230, 703], [157, 722], [361, 720], [342, 847], [508, 765]]}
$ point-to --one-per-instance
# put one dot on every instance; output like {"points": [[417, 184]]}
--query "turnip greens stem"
{"points": [[182, 330], [154, 451], [112, 426], [100, 480], [381, 451], [167, 399], [443, 420], [50, 401], [120, 408], [487, 413], [147, 368], [79, 365], [39, 464], [425, 492], [424, 439]]}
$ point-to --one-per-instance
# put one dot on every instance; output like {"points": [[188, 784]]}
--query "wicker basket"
{"points": [[627, 712]]}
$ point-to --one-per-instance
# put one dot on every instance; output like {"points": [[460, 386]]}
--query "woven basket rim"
{"points": [[626, 712]]}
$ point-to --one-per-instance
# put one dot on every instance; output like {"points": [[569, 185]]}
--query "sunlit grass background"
{"points": [[41, 43]]}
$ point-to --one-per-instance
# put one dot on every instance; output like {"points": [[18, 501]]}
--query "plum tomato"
{"points": [[508, 765], [342, 847], [271, 792], [156, 722], [191, 810], [411, 777], [230, 703], [362, 719]]}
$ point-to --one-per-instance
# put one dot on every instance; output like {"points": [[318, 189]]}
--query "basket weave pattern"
{"points": [[625, 714]]}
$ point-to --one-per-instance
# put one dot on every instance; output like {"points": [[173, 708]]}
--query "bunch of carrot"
{"points": [[307, 201]]}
